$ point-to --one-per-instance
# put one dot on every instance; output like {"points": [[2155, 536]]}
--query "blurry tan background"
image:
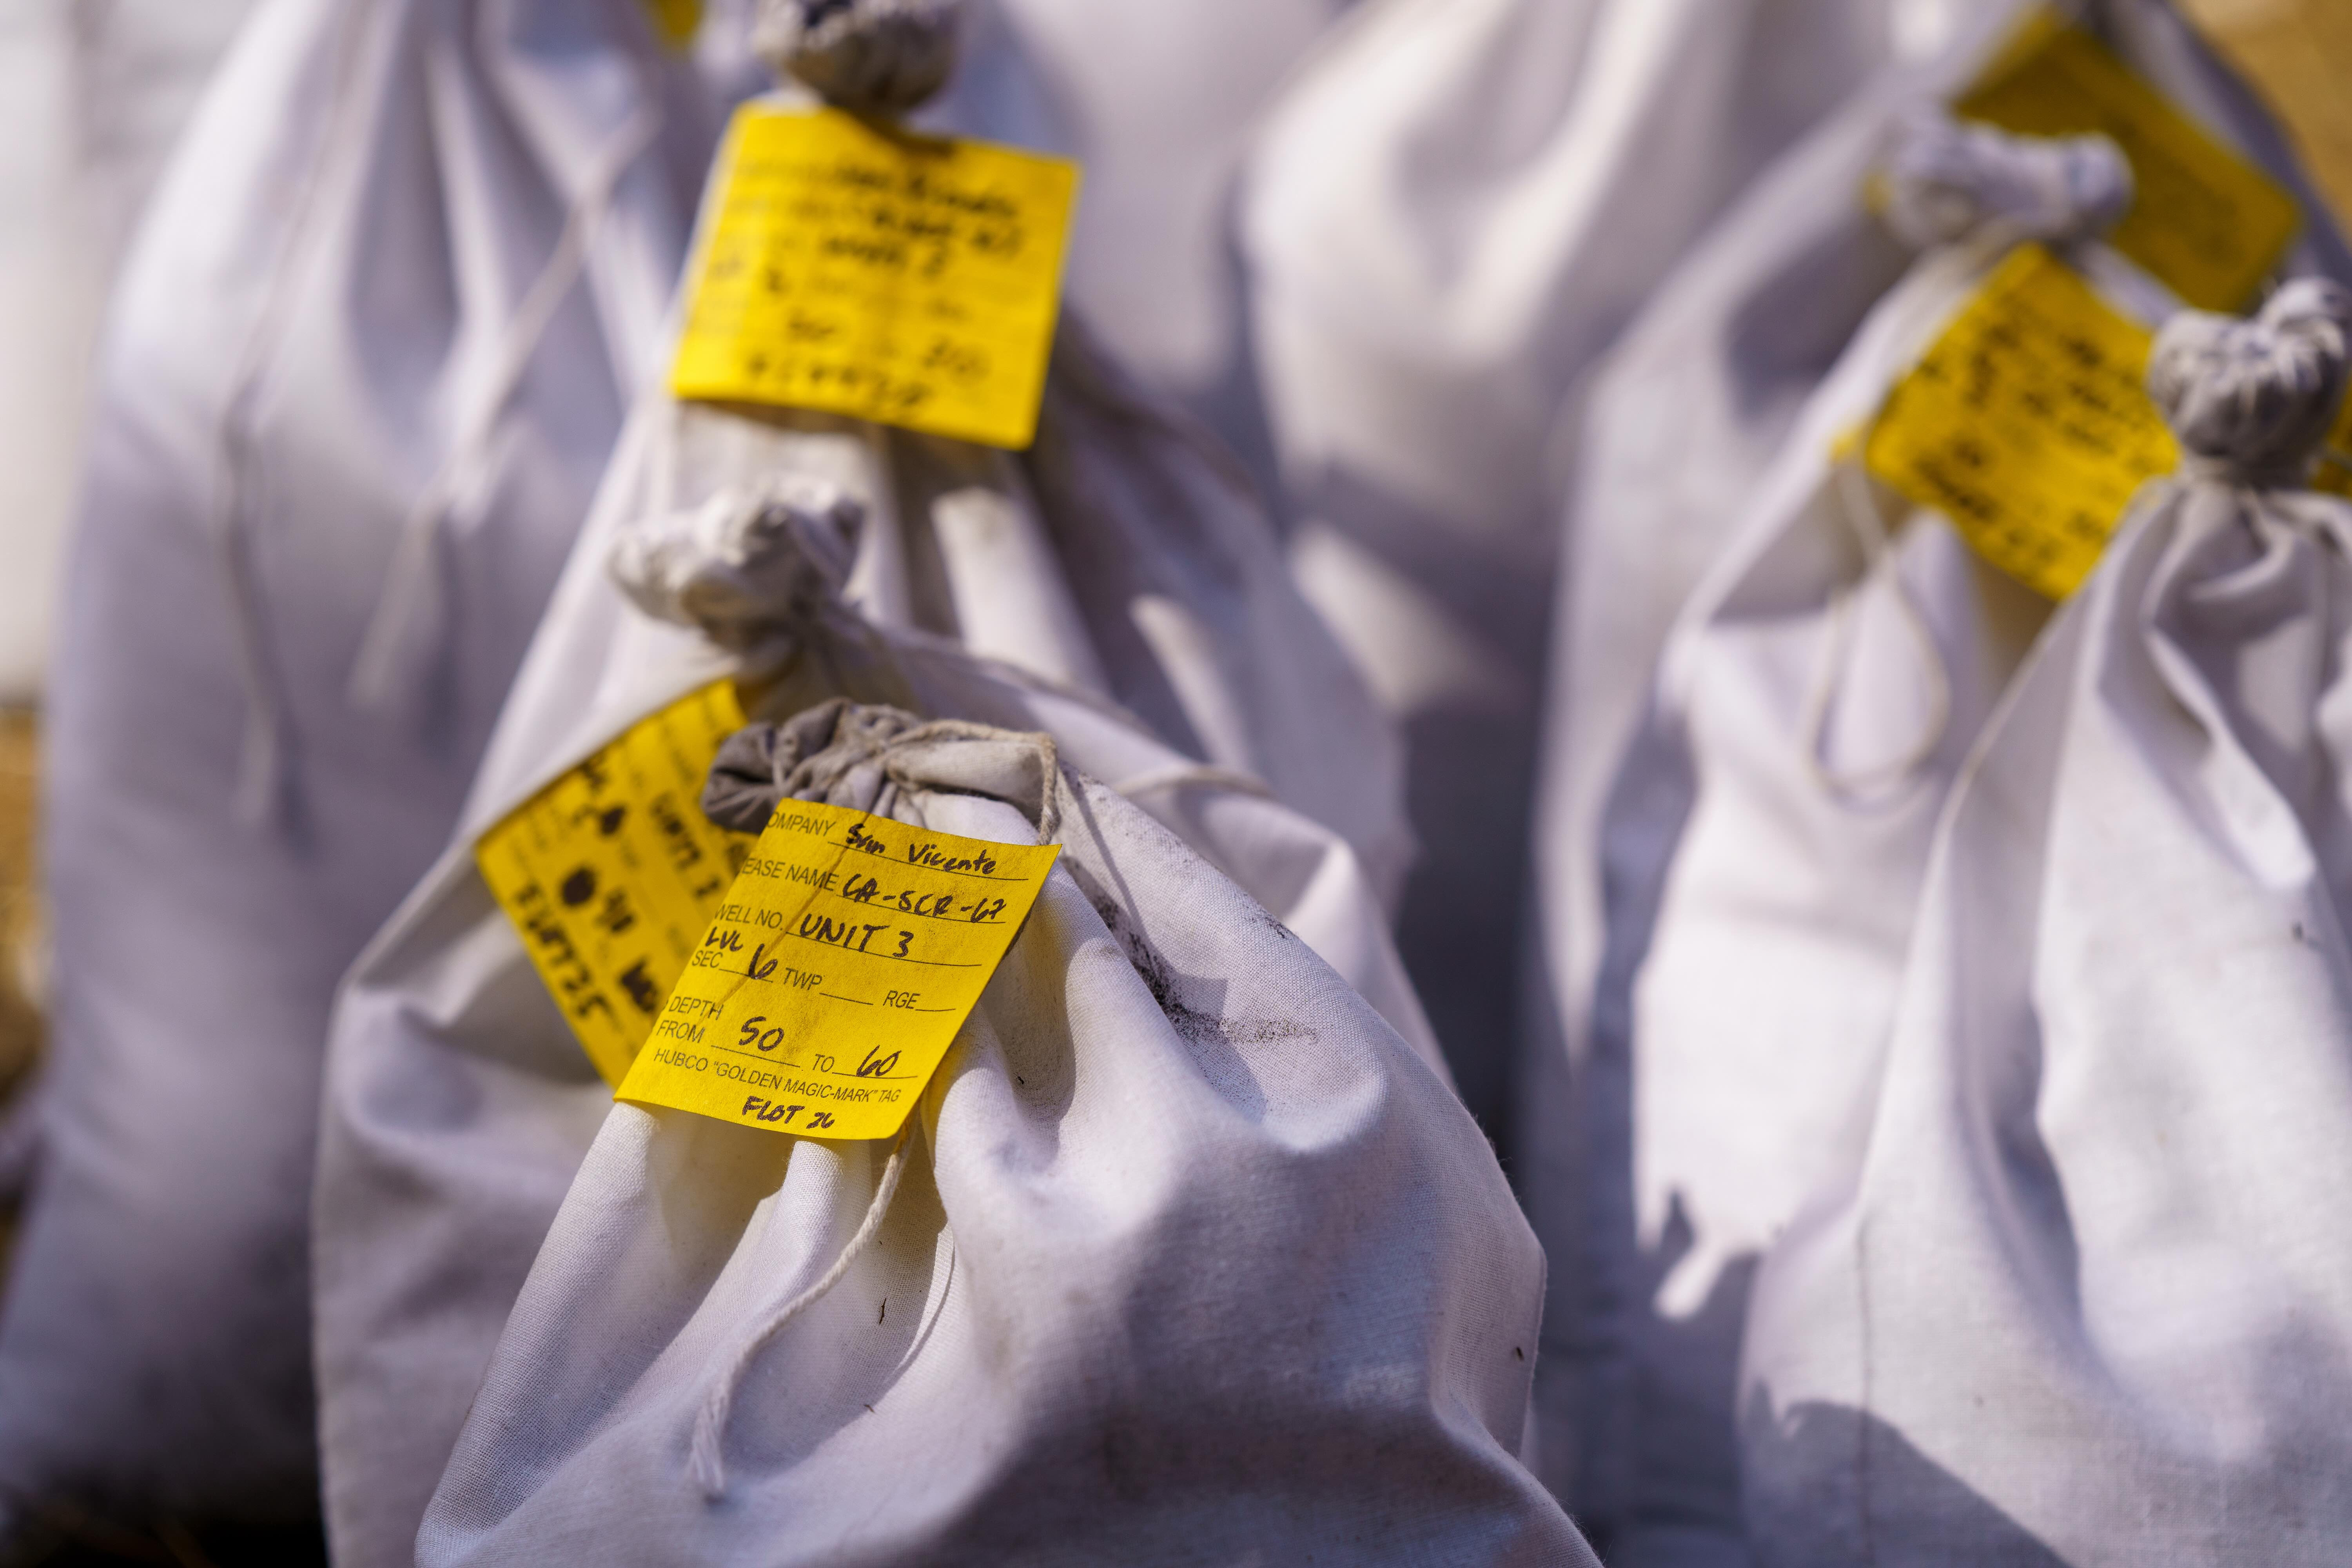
{"points": [[2298, 53]]}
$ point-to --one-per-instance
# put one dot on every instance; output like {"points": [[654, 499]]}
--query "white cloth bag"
{"points": [[1687, 421], [2084, 1296], [1452, 210], [347, 335], [459, 1103], [1183, 1258]]}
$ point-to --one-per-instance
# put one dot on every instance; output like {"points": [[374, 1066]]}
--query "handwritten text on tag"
{"points": [[840, 966], [870, 271], [611, 872], [2026, 424]]}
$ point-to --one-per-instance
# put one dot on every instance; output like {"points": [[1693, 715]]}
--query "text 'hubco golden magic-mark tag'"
{"points": [[838, 968], [861, 270], [2027, 423], [611, 872]]}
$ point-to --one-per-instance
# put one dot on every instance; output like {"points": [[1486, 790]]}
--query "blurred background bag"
{"points": [[1669, 1129], [1454, 208], [366, 362], [2081, 1293], [1066, 1316]]}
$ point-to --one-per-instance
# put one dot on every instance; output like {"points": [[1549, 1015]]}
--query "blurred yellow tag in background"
{"points": [[874, 272], [840, 966], [2205, 222], [2027, 423], [611, 872], [676, 20]]}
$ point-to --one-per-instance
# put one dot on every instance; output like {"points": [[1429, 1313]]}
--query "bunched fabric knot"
{"points": [[869, 57], [861, 756], [750, 565], [2253, 399], [1944, 180]]}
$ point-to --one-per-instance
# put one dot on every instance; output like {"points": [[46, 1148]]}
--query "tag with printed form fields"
{"points": [[611, 872], [2205, 222], [836, 974], [865, 270], [2027, 424]]}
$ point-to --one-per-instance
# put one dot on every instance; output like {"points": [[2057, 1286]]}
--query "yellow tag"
{"points": [[2203, 220], [835, 976], [2333, 472], [2027, 424], [611, 872], [870, 271], [676, 20]]}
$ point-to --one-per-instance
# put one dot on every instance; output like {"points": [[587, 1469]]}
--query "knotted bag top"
{"points": [[1943, 180], [755, 566], [2250, 400], [862, 756], [869, 57]]}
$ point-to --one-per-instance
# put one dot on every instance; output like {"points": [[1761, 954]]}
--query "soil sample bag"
{"points": [[1182, 1256], [1110, 586], [460, 1099], [2084, 1296], [1452, 211], [1723, 398], [365, 364]]}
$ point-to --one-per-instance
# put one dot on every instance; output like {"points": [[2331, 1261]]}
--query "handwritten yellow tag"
{"points": [[2333, 472], [845, 959], [611, 872], [870, 271], [2027, 424], [2207, 223]]}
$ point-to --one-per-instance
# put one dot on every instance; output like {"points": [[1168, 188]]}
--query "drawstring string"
{"points": [[410, 582], [1861, 512], [708, 1461]]}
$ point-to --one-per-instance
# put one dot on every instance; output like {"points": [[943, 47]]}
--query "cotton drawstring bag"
{"points": [[460, 1102], [1183, 1256], [2083, 1297], [1108, 587], [1451, 211], [1687, 418], [364, 369]]}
